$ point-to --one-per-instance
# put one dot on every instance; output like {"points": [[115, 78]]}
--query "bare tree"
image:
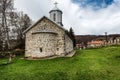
{"points": [[20, 22], [12, 25], [6, 8]]}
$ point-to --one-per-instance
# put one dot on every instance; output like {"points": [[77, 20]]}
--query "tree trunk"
{"points": [[10, 58]]}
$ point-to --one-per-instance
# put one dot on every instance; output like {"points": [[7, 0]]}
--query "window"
{"points": [[57, 49], [54, 17], [40, 49]]}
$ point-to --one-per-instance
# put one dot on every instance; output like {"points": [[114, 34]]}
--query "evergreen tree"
{"points": [[72, 35]]}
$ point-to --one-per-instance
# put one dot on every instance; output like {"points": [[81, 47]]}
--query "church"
{"points": [[47, 37]]}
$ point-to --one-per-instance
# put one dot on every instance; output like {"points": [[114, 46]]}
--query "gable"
{"points": [[45, 25], [43, 21]]}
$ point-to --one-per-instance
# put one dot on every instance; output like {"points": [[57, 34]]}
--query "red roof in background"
{"points": [[96, 42]]}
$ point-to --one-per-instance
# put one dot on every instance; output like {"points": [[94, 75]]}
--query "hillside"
{"points": [[87, 38]]}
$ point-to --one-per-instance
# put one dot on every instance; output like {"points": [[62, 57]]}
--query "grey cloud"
{"points": [[83, 20]]}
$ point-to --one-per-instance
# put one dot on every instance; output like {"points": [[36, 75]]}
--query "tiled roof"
{"points": [[96, 42]]}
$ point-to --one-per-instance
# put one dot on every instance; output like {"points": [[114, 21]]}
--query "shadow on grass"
{"points": [[5, 64], [117, 57]]}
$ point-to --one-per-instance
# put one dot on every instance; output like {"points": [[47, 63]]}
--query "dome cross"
{"points": [[55, 4]]}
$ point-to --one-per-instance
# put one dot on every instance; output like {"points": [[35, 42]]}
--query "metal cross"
{"points": [[55, 4]]}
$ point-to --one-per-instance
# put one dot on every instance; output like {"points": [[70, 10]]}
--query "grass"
{"points": [[91, 64]]}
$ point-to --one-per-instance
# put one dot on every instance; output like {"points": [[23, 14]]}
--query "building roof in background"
{"points": [[96, 42]]}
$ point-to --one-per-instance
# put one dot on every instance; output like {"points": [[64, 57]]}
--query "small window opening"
{"points": [[40, 49], [54, 16], [57, 49]]}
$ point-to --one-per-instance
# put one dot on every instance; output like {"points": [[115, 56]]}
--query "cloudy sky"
{"points": [[84, 16]]}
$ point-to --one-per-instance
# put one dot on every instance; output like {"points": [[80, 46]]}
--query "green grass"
{"points": [[91, 64]]}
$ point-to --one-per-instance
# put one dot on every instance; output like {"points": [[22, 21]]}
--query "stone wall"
{"points": [[68, 44], [42, 45], [46, 39]]}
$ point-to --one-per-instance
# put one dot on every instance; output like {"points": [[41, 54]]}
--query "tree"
{"points": [[72, 35], [6, 6], [12, 25], [20, 23], [24, 22]]}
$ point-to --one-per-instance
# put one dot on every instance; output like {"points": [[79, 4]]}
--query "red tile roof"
{"points": [[96, 42]]}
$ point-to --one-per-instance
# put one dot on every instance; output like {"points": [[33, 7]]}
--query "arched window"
{"points": [[54, 17]]}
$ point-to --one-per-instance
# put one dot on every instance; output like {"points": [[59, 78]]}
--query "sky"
{"points": [[86, 17]]}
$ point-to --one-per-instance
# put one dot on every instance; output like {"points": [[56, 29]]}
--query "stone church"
{"points": [[47, 37]]}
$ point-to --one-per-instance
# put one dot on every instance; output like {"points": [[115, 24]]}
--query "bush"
{"points": [[13, 52], [18, 52]]}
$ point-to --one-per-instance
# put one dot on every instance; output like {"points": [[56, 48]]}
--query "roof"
{"points": [[96, 42], [55, 9], [41, 20]]}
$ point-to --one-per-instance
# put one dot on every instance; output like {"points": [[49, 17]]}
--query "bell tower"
{"points": [[56, 15]]}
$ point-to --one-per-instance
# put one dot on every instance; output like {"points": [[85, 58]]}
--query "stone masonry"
{"points": [[45, 38]]}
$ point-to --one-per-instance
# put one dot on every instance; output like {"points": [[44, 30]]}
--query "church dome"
{"points": [[55, 9], [56, 15]]}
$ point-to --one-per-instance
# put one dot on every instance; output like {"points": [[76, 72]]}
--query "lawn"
{"points": [[90, 64]]}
